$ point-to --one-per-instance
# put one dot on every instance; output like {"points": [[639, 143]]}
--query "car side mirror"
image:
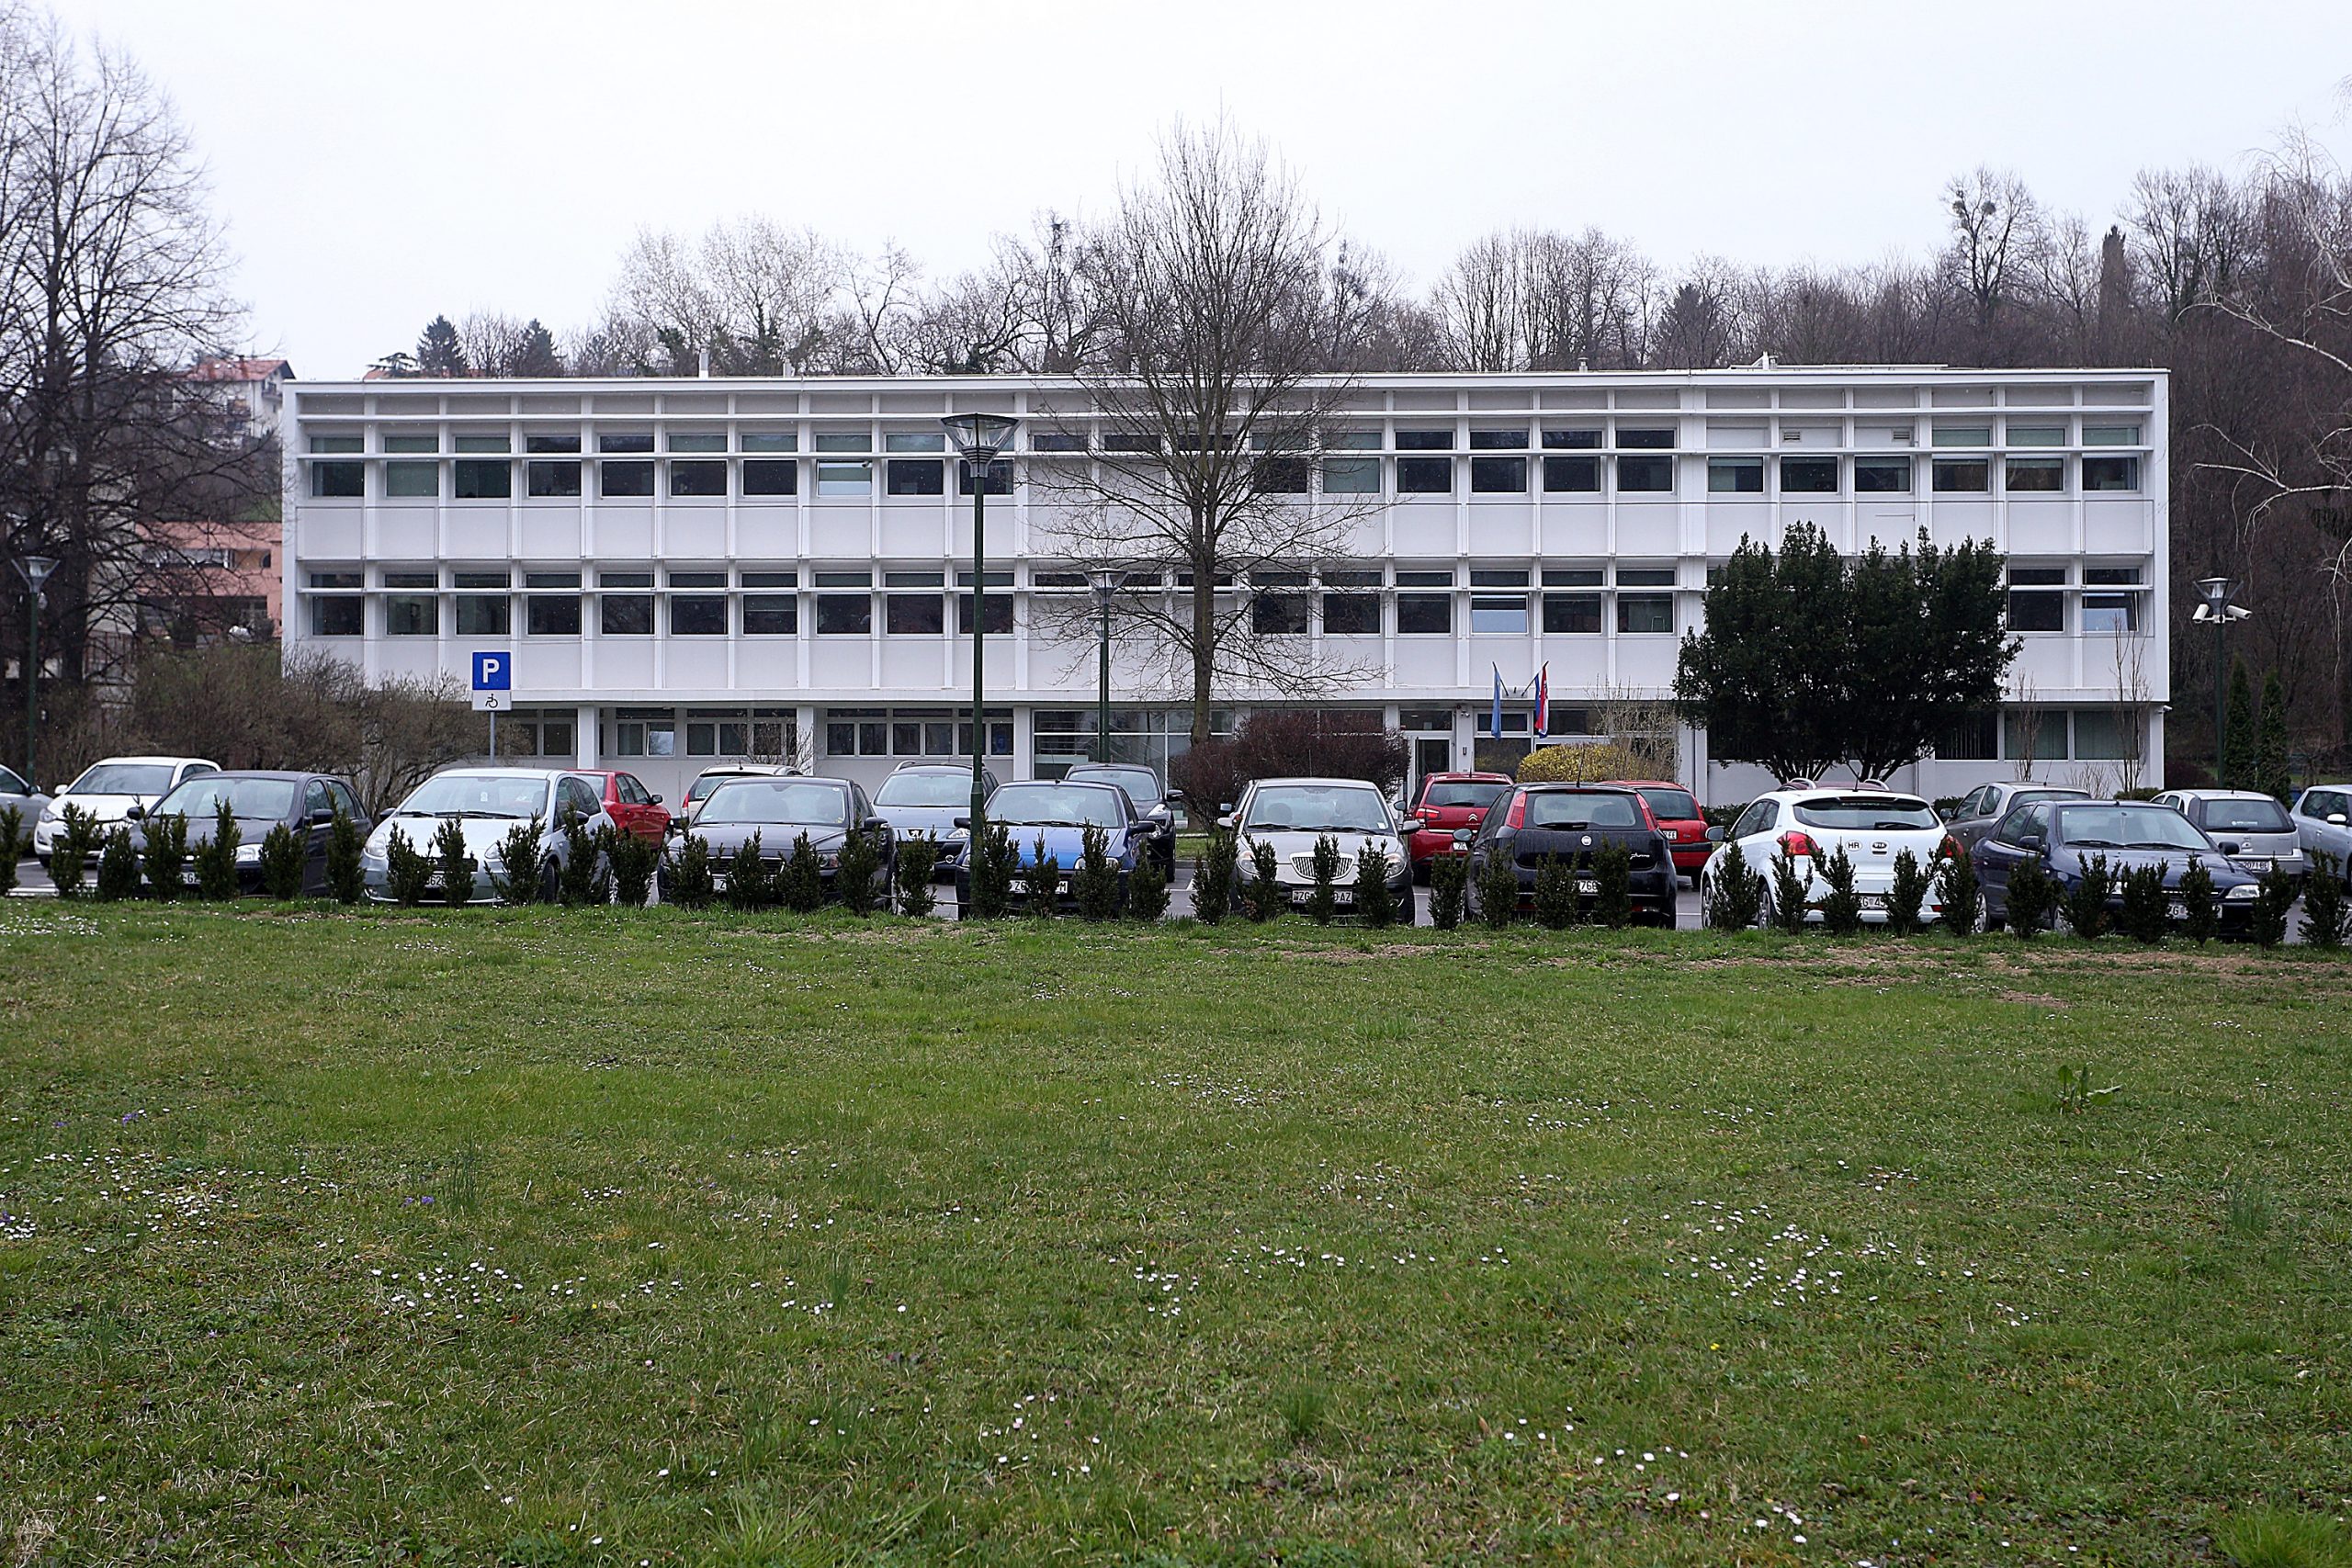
{"points": [[1228, 821], [1715, 834], [324, 814], [2032, 842], [2335, 819], [136, 814], [2231, 846], [1412, 825], [1173, 797], [875, 824], [964, 822], [656, 800], [1947, 813]]}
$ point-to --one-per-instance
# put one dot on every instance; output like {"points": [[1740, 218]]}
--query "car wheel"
{"points": [[1764, 915], [551, 883], [1420, 873], [1404, 912]]}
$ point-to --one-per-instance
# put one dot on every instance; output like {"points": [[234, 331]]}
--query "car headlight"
{"points": [[827, 858], [2244, 890], [248, 854]]}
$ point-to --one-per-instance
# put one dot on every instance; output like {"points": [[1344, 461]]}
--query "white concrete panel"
{"points": [[1575, 528], [550, 664], [625, 663], [1649, 528], [2041, 527], [912, 664], [766, 665], [623, 534], [1425, 660], [1424, 528], [1958, 521], [1727, 521], [841, 663], [550, 533], [477, 532], [840, 530], [330, 535], [695, 663], [418, 657], [2046, 662], [407, 533], [695, 535], [767, 533], [1647, 661], [1500, 530], [916, 532], [2116, 527]]}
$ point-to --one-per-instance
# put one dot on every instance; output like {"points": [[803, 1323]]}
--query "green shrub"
{"points": [[2143, 916], [117, 868], [1905, 894], [71, 850], [689, 885], [2325, 914], [216, 861], [1841, 910], [1375, 906], [455, 866], [854, 871], [749, 884], [1957, 892], [515, 876], [1788, 892], [1264, 895], [346, 879], [2274, 896], [798, 881], [1613, 901], [918, 858], [1147, 890], [1323, 869], [991, 863], [1735, 900], [2033, 895], [1556, 894], [1095, 881], [586, 877], [166, 853], [2085, 902], [1498, 886], [1449, 881], [634, 861], [406, 871], [1214, 869], [1042, 881], [283, 864], [2200, 915], [12, 846]]}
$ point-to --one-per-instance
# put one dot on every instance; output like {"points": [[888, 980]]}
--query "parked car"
{"points": [[2064, 834], [15, 792], [1534, 823], [1154, 803], [2252, 828], [109, 789], [726, 772], [2323, 817], [1983, 807], [1874, 826], [1677, 816], [1449, 803], [260, 800], [1291, 814], [779, 810], [928, 797], [632, 807], [1058, 813], [486, 802]]}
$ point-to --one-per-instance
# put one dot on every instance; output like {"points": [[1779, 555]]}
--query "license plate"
{"points": [[1874, 900], [2178, 909], [1338, 895], [1588, 885]]}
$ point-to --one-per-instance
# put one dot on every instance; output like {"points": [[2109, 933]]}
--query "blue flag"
{"points": [[1495, 721]]}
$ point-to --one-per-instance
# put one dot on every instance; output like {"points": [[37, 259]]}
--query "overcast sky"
{"points": [[377, 164]]}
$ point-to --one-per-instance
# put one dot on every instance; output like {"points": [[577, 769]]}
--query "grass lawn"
{"points": [[626, 1237]]}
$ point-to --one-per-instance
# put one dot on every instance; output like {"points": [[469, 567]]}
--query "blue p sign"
{"points": [[492, 672]]}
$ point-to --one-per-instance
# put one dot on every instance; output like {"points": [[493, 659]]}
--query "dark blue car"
{"points": [[1059, 814], [2064, 834]]}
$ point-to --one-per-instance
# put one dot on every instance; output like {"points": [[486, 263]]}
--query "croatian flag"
{"points": [[1542, 702], [1495, 721]]}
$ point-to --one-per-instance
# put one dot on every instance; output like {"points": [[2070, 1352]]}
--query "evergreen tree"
{"points": [[535, 355], [438, 353], [2237, 751], [2270, 772]]}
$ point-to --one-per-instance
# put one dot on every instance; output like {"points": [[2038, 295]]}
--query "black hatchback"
{"points": [[303, 803], [1532, 824]]}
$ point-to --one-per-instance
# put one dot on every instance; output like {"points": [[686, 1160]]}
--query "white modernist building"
{"points": [[682, 571]]}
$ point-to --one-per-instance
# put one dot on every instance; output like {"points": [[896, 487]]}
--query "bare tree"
{"points": [[753, 294], [1996, 229]]}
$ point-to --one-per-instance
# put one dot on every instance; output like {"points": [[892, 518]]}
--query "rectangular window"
{"points": [[338, 482], [478, 480], [623, 478], [845, 441], [1419, 578], [1352, 614], [999, 611], [915, 440], [1498, 441], [1972, 737], [2104, 735], [1498, 614], [1574, 577], [335, 444], [337, 617], [412, 478], [411, 580], [1424, 613], [845, 615], [1351, 476], [2037, 612], [844, 579], [1571, 473], [1058, 441], [1425, 440], [844, 479], [550, 580], [411, 615], [1497, 476], [1498, 577], [2024, 475], [1645, 440], [484, 615], [697, 441], [624, 615], [2115, 576], [1572, 613], [482, 444], [768, 441], [698, 478], [1806, 476], [1735, 475], [336, 580], [2037, 435], [553, 478], [697, 580], [1961, 436], [771, 476], [1645, 611], [699, 614], [1572, 440], [1284, 476], [550, 443], [412, 443], [552, 615], [2110, 614], [770, 615], [1278, 614], [1881, 475], [1645, 577], [1962, 476], [636, 442], [917, 476], [2110, 474], [1645, 475], [2110, 435], [1424, 476], [997, 481], [913, 615]]}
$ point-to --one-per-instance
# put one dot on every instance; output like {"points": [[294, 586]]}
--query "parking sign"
{"points": [[493, 672]]}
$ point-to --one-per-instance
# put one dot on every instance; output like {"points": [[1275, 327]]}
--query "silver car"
{"points": [[486, 802], [1982, 810], [30, 802], [1289, 815], [2322, 817], [2253, 828]]}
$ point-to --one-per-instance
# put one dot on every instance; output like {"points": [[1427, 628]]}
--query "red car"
{"points": [[1678, 819], [631, 807], [1449, 801]]}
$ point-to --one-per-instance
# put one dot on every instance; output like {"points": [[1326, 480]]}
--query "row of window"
{"points": [[477, 478], [2109, 600], [1041, 579]]}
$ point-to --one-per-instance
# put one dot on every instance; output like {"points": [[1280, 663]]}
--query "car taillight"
{"points": [[1518, 817], [1798, 846]]}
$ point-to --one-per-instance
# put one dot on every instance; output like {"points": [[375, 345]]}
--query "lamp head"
{"points": [[2216, 591], [980, 436], [34, 569], [1105, 581]]}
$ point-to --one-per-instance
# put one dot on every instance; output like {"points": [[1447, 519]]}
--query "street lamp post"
{"points": [[2218, 609], [34, 570], [979, 437], [1105, 585]]}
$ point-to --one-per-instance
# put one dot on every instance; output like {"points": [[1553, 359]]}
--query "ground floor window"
{"points": [[913, 733], [760, 734], [535, 733], [1061, 739]]}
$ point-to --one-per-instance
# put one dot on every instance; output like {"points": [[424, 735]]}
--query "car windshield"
{"points": [[925, 789], [1316, 809], [1867, 813], [2246, 817], [124, 778], [199, 798], [1672, 805], [477, 794], [1141, 783], [2129, 826], [793, 801], [1476, 793], [1057, 806], [1563, 808], [700, 789]]}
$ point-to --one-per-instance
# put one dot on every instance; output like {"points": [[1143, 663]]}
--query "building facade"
{"points": [[688, 570]]}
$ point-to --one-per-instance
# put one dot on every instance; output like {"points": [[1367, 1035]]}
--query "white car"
{"points": [[486, 804], [1289, 815], [1872, 825], [2252, 828], [109, 789], [2323, 817]]}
